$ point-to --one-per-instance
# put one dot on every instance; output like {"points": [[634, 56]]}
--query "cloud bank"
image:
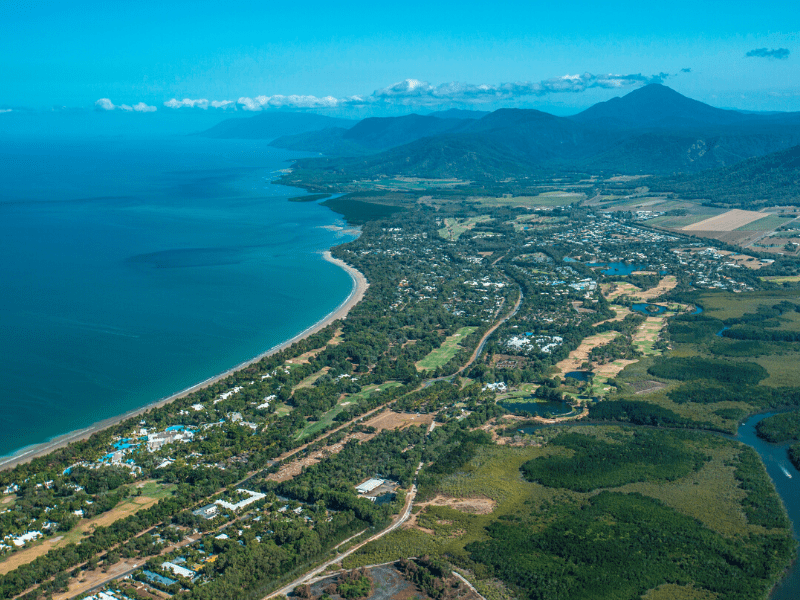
{"points": [[778, 53], [421, 93], [104, 104]]}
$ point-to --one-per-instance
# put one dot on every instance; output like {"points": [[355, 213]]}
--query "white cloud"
{"points": [[106, 104], [142, 107], [413, 92], [5, 110]]}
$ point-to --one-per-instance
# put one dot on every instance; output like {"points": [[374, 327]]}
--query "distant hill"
{"points": [[652, 130], [656, 106], [771, 179], [269, 125], [458, 113], [371, 135]]}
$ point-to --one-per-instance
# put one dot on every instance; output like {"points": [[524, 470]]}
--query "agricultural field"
{"points": [[445, 353], [727, 221]]}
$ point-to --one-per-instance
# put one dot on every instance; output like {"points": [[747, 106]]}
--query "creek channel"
{"points": [[784, 476]]}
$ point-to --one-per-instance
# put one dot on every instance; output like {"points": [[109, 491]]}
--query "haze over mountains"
{"points": [[651, 130]]}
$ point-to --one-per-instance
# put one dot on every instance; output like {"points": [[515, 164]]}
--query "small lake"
{"points": [[538, 408], [619, 268], [719, 333], [579, 375], [649, 309], [697, 310]]}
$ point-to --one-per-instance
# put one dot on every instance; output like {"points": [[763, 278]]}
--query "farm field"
{"points": [[727, 221]]}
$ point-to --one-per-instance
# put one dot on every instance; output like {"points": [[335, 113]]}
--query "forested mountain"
{"points": [[652, 130], [774, 179], [656, 106], [371, 135], [268, 125]]}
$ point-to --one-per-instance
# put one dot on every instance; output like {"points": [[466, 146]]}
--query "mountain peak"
{"points": [[656, 106]]}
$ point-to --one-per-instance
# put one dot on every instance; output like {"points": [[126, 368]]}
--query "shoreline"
{"points": [[28, 453]]}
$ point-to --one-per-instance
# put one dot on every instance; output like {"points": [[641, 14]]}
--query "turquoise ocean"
{"points": [[134, 267]]}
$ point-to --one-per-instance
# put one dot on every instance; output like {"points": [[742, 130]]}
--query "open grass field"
{"points": [[545, 199], [444, 353], [764, 224], [453, 228], [727, 221], [311, 379], [782, 278]]}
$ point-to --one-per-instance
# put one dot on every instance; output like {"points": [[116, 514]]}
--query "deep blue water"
{"points": [[619, 268], [642, 308], [134, 268], [579, 375]]}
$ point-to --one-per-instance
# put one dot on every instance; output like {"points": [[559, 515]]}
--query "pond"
{"points": [[719, 333], [541, 409], [649, 309], [697, 309], [579, 375], [619, 268]]}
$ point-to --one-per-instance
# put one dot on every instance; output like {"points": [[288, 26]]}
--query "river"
{"points": [[787, 482]]}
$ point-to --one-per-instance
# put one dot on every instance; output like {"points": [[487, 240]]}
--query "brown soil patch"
{"points": [[473, 506], [727, 221], [665, 285], [581, 354], [8, 499], [621, 313], [392, 420]]}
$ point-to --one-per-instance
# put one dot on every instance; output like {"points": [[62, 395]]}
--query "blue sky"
{"points": [[73, 54]]}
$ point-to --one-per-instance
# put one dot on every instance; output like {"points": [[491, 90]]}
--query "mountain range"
{"points": [[653, 130]]}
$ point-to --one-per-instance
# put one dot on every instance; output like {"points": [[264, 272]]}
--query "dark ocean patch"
{"points": [[180, 258]]}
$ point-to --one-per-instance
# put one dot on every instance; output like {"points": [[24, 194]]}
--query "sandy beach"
{"points": [[360, 285]]}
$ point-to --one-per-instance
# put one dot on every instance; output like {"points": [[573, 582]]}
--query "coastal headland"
{"points": [[360, 285]]}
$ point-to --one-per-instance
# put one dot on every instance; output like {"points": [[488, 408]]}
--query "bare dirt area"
{"points": [[667, 284], [7, 500], [727, 221], [91, 579], [473, 506], [393, 420], [581, 354], [295, 467], [621, 313]]}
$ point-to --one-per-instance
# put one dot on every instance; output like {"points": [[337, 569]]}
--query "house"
{"points": [[207, 512]]}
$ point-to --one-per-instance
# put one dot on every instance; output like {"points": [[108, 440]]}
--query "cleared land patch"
{"points": [[727, 221], [444, 353]]}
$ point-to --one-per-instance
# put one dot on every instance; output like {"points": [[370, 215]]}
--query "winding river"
{"points": [[787, 482]]}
